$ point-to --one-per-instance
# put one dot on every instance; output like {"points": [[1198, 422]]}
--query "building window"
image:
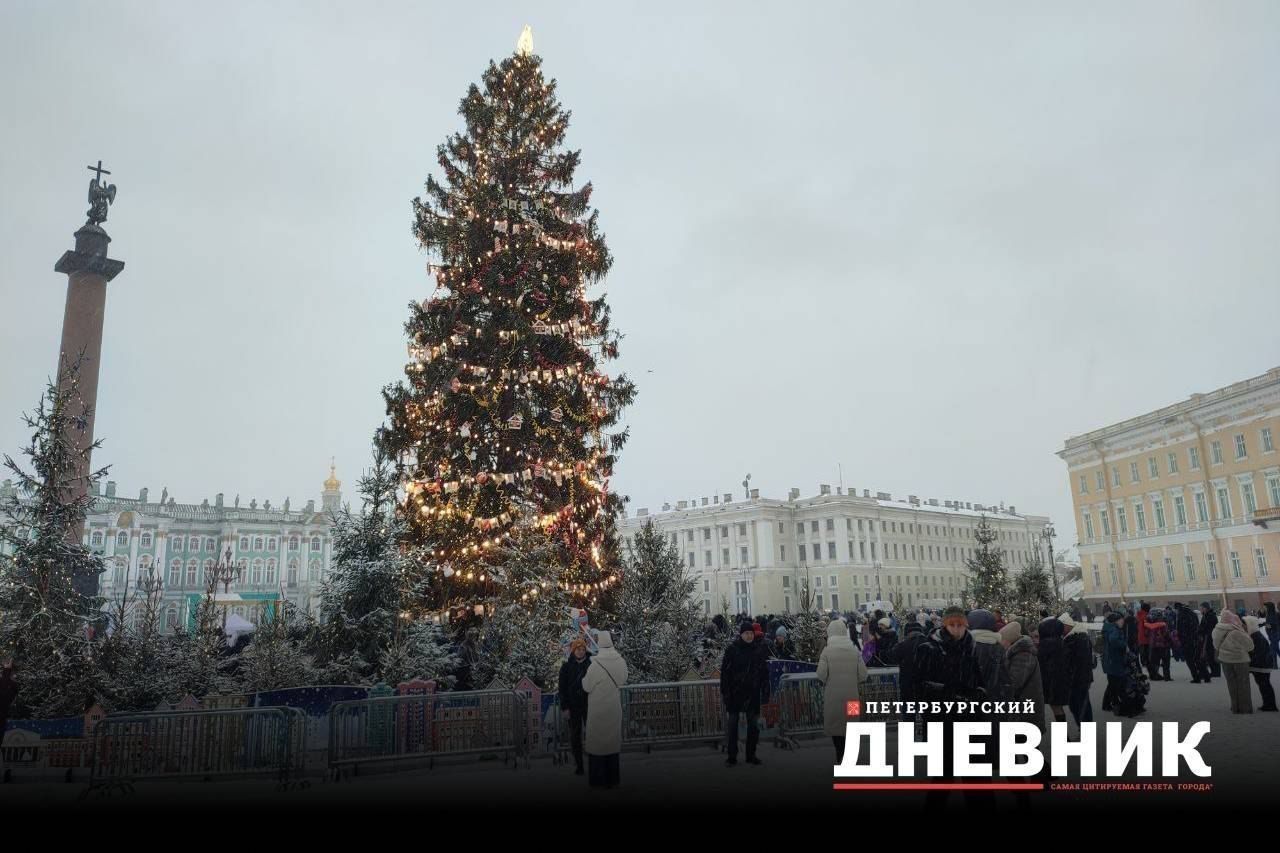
{"points": [[818, 600], [786, 582], [272, 544], [209, 544], [146, 540], [1211, 562], [1133, 578], [1250, 499], [1191, 568], [692, 565], [831, 550], [742, 529], [817, 551], [831, 524], [1224, 503], [1235, 564], [1114, 580], [1180, 510], [813, 526], [96, 539], [1273, 487], [1193, 458], [293, 543], [1151, 576], [1260, 559], [786, 604], [244, 543], [1140, 516], [1106, 522], [862, 546], [833, 582], [1265, 435], [859, 524], [1133, 472], [1153, 468], [742, 555], [171, 617], [256, 572], [175, 573], [1241, 450], [817, 581], [1215, 452], [782, 553], [122, 538], [293, 573], [1168, 568], [724, 556], [1088, 525], [1101, 483], [799, 528], [835, 601], [1202, 508], [1097, 577], [1173, 463], [315, 542], [743, 591], [192, 568], [271, 572], [1115, 476], [873, 550], [314, 570], [706, 534], [1122, 519], [1158, 505]]}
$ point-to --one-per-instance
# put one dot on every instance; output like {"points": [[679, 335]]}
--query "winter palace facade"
{"points": [[755, 554], [282, 553], [1183, 503]]}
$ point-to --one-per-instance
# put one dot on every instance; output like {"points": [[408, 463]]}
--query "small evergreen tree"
{"points": [[658, 622], [987, 585], [521, 635], [48, 626], [275, 658], [807, 632], [1033, 592]]}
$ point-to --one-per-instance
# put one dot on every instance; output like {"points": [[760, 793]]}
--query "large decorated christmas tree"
{"points": [[500, 429]]}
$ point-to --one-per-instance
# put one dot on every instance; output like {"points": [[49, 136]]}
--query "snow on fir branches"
{"points": [[503, 425]]}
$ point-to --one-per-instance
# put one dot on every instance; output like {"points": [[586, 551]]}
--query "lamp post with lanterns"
{"points": [[1048, 535], [225, 573]]}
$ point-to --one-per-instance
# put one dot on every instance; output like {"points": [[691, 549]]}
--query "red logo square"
{"points": [[853, 708]]}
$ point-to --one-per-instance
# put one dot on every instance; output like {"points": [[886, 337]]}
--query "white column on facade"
{"points": [[131, 570], [162, 543]]}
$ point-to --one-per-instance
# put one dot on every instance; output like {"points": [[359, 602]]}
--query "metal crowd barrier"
{"points": [[425, 727], [240, 742], [671, 712], [802, 702]]}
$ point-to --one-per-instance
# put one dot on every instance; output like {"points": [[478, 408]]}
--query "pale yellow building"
{"points": [[1183, 503]]}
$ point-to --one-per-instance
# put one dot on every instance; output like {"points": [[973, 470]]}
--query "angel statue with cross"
{"points": [[101, 195]]}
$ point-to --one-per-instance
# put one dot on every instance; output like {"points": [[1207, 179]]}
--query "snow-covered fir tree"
{"points": [[658, 623], [987, 585], [275, 657], [1032, 592], [806, 630], [521, 635], [48, 627]]}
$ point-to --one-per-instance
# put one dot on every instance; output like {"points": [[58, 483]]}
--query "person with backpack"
{"points": [[1158, 644]]}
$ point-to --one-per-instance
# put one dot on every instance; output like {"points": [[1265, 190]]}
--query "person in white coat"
{"points": [[603, 683], [841, 671]]}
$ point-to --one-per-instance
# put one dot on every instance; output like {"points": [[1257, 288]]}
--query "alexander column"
{"points": [[88, 270]]}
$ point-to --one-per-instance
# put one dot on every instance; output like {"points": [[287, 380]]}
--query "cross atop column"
{"points": [[99, 170]]}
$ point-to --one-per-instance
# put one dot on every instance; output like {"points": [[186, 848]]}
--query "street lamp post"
{"points": [[877, 566], [1053, 565], [225, 572]]}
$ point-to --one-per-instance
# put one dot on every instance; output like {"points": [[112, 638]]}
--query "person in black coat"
{"points": [[573, 699], [744, 684], [886, 640], [946, 669], [1131, 631], [1055, 674], [1208, 621], [903, 655], [1260, 663], [1078, 651]]}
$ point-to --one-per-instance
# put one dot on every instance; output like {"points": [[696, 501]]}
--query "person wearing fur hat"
{"points": [[1188, 628], [1261, 663], [1234, 647], [603, 682], [1054, 669], [886, 640], [573, 699], [1078, 651], [744, 683], [1158, 644], [841, 672]]}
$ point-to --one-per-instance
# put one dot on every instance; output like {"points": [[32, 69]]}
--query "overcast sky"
{"points": [[925, 242]]}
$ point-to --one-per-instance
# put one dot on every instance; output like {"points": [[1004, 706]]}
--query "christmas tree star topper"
{"points": [[524, 45]]}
